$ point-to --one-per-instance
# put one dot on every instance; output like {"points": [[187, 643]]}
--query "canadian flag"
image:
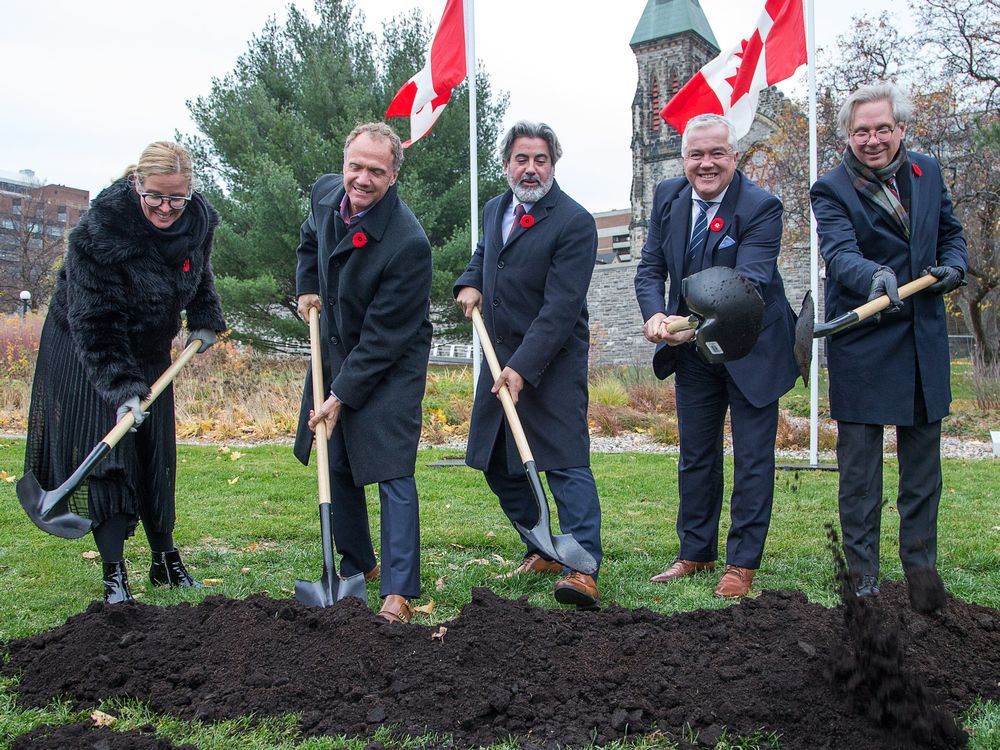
{"points": [[423, 97], [731, 83]]}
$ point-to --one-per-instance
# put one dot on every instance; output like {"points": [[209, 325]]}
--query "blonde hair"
{"points": [[378, 131], [163, 157]]}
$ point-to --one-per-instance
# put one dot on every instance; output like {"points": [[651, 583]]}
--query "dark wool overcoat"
{"points": [[374, 280], [534, 285], [748, 240], [115, 310], [874, 365]]}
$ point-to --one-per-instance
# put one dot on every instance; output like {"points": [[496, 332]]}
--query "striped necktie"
{"points": [[700, 230], [519, 213]]}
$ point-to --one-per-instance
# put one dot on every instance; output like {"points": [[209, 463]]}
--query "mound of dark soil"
{"points": [[86, 736], [775, 663]]}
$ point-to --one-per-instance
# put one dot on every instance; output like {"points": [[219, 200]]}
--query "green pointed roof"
{"points": [[663, 18]]}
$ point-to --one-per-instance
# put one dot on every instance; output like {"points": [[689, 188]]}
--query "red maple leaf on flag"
{"points": [[749, 55]]}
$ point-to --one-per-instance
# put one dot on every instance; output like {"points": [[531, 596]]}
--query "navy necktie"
{"points": [[519, 212], [700, 230]]}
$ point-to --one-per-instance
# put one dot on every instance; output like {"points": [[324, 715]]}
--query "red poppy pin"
{"points": [[527, 221], [916, 169], [360, 239], [717, 224], [187, 265]]}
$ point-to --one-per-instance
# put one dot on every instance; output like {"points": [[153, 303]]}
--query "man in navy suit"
{"points": [[365, 261], [533, 267], [715, 216], [884, 217]]}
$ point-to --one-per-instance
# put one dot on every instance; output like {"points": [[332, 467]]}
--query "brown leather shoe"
{"points": [[535, 563], [577, 588], [396, 608], [373, 574], [735, 582], [680, 569]]}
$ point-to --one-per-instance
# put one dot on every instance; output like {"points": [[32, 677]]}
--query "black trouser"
{"points": [[859, 456]]}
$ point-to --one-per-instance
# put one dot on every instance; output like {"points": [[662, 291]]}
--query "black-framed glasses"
{"points": [[155, 200], [882, 134]]}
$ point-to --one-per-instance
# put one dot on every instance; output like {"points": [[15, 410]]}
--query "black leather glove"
{"points": [[884, 282], [948, 278], [207, 337]]}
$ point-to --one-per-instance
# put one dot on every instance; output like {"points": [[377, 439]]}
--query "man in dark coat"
{"points": [[365, 260], [884, 217], [533, 268], [715, 216]]}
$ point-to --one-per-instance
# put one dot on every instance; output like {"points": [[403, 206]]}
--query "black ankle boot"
{"points": [[168, 570], [116, 588]]}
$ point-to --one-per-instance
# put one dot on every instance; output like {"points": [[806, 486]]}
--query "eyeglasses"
{"points": [[154, 200], [717, 154], [861, 137]]}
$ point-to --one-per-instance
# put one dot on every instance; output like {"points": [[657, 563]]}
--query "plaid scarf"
{"points": [[872, 184]]}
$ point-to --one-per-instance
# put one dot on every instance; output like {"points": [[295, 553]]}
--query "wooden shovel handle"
{"points": [[907, 290], [127, 422], [322, 439], [683, 325], [508, 403]]}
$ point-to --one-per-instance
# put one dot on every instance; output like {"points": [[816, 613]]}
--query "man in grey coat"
{"points": [[364, 260], [533, 268]]}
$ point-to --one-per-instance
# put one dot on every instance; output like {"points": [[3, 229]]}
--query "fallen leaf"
{"points": [[287, 591], [90, 555], [439, 635], [7, 477], [456, 546], [244, 571], [498, 558], [252, 547], [224, 449], [234, 480], [212, 581], [235, 455], [452, 566], [426, 609], [102, 719], [477, 561], [439, 584], [491, 535]]}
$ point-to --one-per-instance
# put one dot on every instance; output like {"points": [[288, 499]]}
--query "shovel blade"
{"points": [[805, 323], [49, 511], [330, 589]]}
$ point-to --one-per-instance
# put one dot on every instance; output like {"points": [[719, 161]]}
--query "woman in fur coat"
{"points": [[138, 258]]}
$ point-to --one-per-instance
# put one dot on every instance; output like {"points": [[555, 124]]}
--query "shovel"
{"points": [[561, 547], [867, 310], [804, 325], [48, 509], [329, 589], [726, 313]]}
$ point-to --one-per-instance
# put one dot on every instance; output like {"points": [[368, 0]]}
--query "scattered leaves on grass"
{"points": [[491, 535], [235, 456], [425, 609], [234, 480], [223, 449], [244, 571], [102, 719], [439, 584], [477, 561], [90, 555], [212, 581], [438, 635], [11, 478]]}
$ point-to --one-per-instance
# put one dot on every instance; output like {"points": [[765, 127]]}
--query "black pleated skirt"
{"points": [[68, 418]]}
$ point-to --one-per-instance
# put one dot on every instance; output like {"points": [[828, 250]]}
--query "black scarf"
{"points": [[178, 242], [873, 186]]}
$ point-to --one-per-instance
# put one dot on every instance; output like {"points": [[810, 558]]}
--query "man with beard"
{"points": [[533, 268], [884, 218]]}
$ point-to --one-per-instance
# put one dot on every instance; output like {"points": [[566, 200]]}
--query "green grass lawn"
{"points": [[248, 520]]}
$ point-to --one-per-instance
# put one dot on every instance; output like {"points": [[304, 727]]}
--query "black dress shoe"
{"points": [[867, 587], [116, 588], [168, 570]]}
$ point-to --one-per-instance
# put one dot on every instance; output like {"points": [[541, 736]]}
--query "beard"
{"points": [[530, 193]]}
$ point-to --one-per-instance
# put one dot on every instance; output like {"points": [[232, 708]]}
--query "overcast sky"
{"points": [[89, 84]]}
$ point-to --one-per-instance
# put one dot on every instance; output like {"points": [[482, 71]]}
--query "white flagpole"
{"points": [[470, 67], [813, 240]]}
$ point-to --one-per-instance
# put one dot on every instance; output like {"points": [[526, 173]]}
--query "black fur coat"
{"points": [[121, 301]]}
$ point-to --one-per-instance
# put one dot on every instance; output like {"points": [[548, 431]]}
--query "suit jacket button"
{"points": [[334, 340], [496, 302], [332, 302], [499, 264], [499, 339]]}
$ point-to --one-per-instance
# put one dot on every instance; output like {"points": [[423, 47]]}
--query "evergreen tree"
{"points": [[278, 121]]}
